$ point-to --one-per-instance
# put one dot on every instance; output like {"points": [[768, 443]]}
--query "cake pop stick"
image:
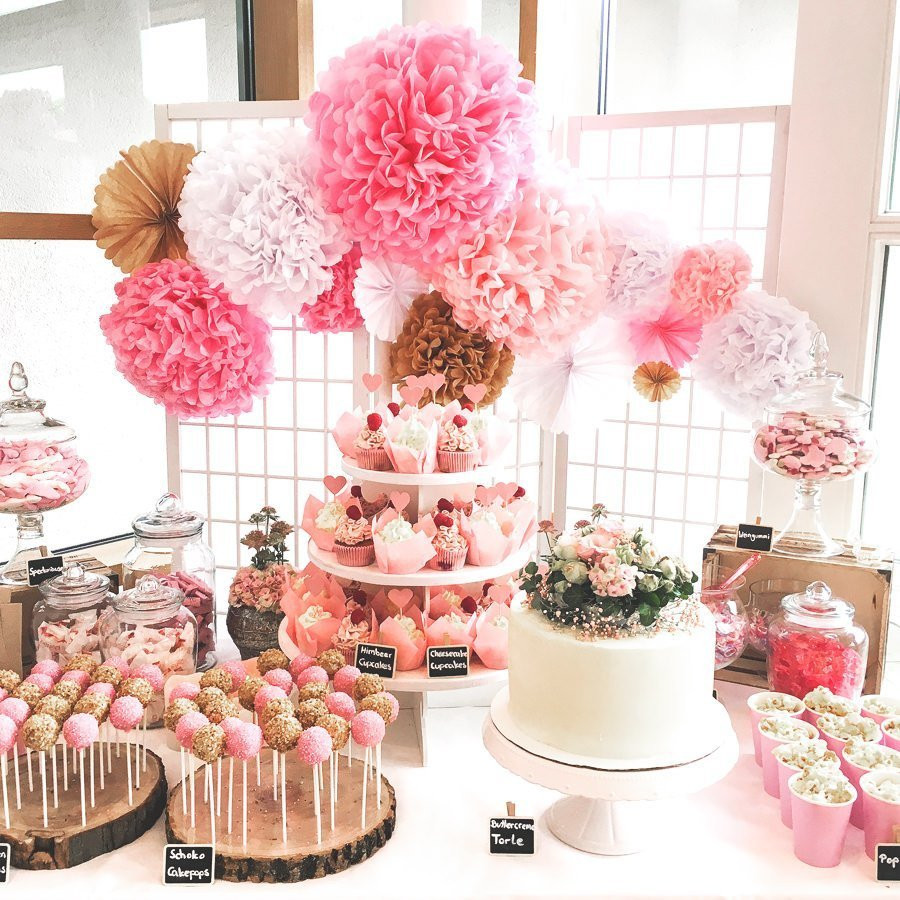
{"points": [[208, 745], [39, 733], [365, 785], [314, 747], [230, 725], [91, 755], [243, 743], [183, 784], [367, 729], [219, 787], [9, 733], [18, 787], [212, 806], [154, 677], [378, 772], [283, 802], [274, 776], [130, 793], [55, 788], [30, 775], [187, 726], [65, 759], [5, 792], [80, 731], [124, 715], [230, 788]]}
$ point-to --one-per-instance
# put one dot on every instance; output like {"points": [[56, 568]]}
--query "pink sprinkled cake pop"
{"points": [[151, 674], [300, 662], [186, 689], [345, 678], [119, 663], [102, 688], [9, 733], [80, 731], [341, 704], [82, 679], [230, 724], [187, 725], [314, 745], [395, 704], [367, 728], [265, 694], [44, 682], [48, 667], [125, 713], [17, 710], [244, 742], [280, 678], [312, 673], [235, 668]]}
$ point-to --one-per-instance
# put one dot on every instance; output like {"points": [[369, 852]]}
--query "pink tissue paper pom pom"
{"points": [[48, 667], [235, 668], [82, 679], [334, 309], [80, 731], [280, 678], [313, 673], [244, 742], [186, 689], [314, 745], [265, 694], [537, 274], [367, 728], [17, 710], [421, 136], [341, 704], [672, 337], [9, 733], [708, 277], [152, 674], [44, 682], [184, 344], [125, 713], [230, 724], [118, 663], [345, 678], [300, 662], [187, 726], [104, 689]]}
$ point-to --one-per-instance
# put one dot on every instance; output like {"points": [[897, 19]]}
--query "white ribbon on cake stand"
{"points": [[607, 811]]}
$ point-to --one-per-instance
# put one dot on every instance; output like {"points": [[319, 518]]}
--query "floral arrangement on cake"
{"points": [[603, 576]]}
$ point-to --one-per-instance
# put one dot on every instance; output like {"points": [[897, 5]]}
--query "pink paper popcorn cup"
{"points": [[768, 743], [879, 699], [880, 814], [785, 773], [890, 728], [854, 773], [755, 701], [819, 828], [833, 743]]}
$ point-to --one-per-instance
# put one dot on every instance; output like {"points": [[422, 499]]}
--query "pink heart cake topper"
{"points": [[399, 500], [400, 596], [334, 483], [372, 381], [484, 495], [500, 593], [411, 394], [505, 490], [475, 392], [433, 382]]}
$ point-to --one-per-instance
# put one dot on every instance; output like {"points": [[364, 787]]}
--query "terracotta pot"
{"points": [[253, 630]]}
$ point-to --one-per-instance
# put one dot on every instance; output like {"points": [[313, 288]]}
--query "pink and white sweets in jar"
{"points": [[39, 470]]}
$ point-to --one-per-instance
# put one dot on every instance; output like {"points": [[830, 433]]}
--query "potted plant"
{"points": [[254, 598]]}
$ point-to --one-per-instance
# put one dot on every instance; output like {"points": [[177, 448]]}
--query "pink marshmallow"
{"points": [[9, 734], [102, 688], [244, 742], [187, 726], [314, 745], [186, 689], [367, 728], [125, 713], [17, 710], [313, 673], [300, 662], [345, 678], [280, 678], [48, 667], [341, 704], [80, 731], [266, 693]]}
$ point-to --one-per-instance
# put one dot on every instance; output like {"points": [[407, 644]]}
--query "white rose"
{"points": [[648, 583], [649, 556], [575, 571], [668, 568], [565, 547]]}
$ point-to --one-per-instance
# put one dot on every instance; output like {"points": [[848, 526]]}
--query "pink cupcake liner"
{"points": [[449, 560], [357, 555], [457, 460], [349, 654], [375, 459]]}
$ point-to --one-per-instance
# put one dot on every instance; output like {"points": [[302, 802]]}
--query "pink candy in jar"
{"points": [[36, 477]]}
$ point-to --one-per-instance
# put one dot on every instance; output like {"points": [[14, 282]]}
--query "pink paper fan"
{"points": [[672, 337]]}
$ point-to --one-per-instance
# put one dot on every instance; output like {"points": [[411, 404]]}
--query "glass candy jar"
{"points": [[39, 471], [168, 542], [719, 594], [67, 615], [814, 432], [812, 641]]}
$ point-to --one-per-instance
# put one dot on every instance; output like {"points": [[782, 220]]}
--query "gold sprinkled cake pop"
{"points": [[58, 707], [379, 704], [107, 675], [95, 705], [310, 711], [9, 680], [280, 706], [217, 678], [248, 690], [81, 662], [272, 659], [216, 710], [68, 690], [40, 731], [312, 690], [209, 743], [139, 688], [208, 696], [331, 661], [176, 709], [338, 728], [30, 693], [281, 733], [366, 685]]}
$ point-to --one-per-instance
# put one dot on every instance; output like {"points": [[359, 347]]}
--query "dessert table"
{"points": [[727, 840]]}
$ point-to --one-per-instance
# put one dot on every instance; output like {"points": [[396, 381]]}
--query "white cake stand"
{"points": [[606, 812]]}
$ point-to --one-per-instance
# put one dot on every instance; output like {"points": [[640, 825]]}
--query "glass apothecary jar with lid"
{"points": [[40, 470], [66, 618], [813, 433], [168, 543], [813, 641]]}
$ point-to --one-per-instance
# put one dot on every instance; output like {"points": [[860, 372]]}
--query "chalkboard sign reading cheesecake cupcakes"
{"points": [[448, 662]]}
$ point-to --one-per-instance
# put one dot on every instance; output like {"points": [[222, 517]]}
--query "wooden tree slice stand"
{"points": [[111, 824], [267, 857]]}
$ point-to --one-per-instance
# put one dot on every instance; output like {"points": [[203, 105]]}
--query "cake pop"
{"points": [[235, 668], [279, 706], [338, 729], [272, 659], [103, 688], [313, 748], [9, 680], [44, 682], [184, 689], [331, 661], [137, 687], [281, 733], [119, 662], [77, 676], [280, 678], [300, 662], [175, 710], [312, 673], [345, 678], [229, 725], [57, 707], [107, 674], [48, 667], [378, 703], [187, 725], [244, 743], [217, 678], [341, 704], [40, 731], [125, 713], [30, 693], [95, 705], [266, 693], [152, 674], [79, 732], [218, 708], [9, 732], [365, 685], [208, 742], [69, 690], [248, 690], [310, 711], [314, 690], [82, 662], [367, 729]]}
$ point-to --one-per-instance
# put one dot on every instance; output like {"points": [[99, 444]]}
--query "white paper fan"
{"points": [[384, 291]]}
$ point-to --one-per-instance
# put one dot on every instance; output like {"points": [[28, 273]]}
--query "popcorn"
{"points": [[850, 726], [806, 754], [783, 728], [884, 789], [777, 702], [822, 700], [881, 706], [871, 755], [822, 785]]}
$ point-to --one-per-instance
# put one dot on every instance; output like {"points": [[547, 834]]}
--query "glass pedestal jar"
{"points": [[719, 594], [813, 641], [168, 543]]}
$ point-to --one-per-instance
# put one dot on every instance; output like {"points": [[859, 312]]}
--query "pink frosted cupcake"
{"points": [[457, 448], [451, 548], [369, 446], [353, 545], [353, 629]]}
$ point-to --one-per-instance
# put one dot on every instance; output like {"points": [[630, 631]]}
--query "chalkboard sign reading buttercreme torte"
{"points": [[512, 836]]}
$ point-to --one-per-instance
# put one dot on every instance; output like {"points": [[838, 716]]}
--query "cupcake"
{"points": [[450, 547], [353, 545], [369, 446], [452, 508], [413, 435], [457, 448], [329, 515], [353, 629], [370, 508]]}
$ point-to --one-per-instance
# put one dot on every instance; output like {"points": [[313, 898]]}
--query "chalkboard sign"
{"points": [[189, 864], [512, 836], [887, 862], [44, 567], [376, 659], [5, 856], [754, 537], [113, 582], [448, 662]]}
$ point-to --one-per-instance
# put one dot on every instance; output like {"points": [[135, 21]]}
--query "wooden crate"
{"points": [[867, 586]]}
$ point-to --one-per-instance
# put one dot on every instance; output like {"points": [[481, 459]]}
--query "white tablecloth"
{"points": [[725, 841]]}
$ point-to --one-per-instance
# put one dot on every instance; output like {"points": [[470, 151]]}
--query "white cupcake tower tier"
{"points": [[608, 812]]}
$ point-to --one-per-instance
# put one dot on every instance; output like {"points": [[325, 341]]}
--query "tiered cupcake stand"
{"points": [[407, 740], [607, 811]]}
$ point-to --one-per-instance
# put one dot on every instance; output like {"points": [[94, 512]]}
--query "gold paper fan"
{"points": [[136, 213], [656, 381]]}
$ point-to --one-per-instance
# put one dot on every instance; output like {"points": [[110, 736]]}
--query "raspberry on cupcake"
{"points": [[369, 445], [451, 548], [457, 448], [353, 545]]}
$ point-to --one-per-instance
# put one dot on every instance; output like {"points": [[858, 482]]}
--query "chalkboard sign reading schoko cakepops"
{"points": [[189, 864]]}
